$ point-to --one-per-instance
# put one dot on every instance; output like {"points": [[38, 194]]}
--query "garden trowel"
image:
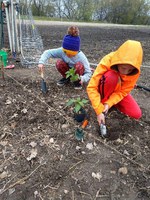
{"points": [[103, 129], [43, 83], [79, 134]]}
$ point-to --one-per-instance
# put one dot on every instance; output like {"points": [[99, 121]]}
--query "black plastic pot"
{"points": [[79, 117]]}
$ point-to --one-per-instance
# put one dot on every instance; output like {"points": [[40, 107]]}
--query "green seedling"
{"points": [[77, 104], [72, 75]]}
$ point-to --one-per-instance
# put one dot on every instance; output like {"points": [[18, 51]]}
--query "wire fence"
{"points": [[30, 40], [24, 40]]}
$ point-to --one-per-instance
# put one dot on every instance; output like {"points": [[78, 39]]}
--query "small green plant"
{"points": [[73, 76], [77, 103]]}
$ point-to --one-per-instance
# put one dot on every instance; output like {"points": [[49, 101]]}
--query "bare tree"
{"points": [[58, 5], [70, 8], [75, 9]]}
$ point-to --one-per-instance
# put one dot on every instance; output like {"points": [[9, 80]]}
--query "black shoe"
{"points": [[77, 85], [63, 81]]}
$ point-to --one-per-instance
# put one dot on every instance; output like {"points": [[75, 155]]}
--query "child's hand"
{"points": [[101, 118], [106, 108], [41, 67], [81, 80]]}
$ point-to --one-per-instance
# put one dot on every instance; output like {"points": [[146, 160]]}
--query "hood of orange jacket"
{"points": [[129, 52]]}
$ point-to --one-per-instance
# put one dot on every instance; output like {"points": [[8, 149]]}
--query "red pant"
{"points": [[127, 105], [63, 67]]}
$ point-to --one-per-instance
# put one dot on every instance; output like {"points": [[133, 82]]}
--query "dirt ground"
{"points": [[40, 158]]}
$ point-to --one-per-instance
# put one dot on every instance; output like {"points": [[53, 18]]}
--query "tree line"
{"points": [[110, 11]]}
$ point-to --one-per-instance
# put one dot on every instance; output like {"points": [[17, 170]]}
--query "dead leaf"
{"points": [[97, 175], [78, 148], [14, 115], [33, 144], [24, 110], [32, 155], [3, 175], [65, 126], [51, 140], [3, 143], [119, 141], [123, 170], [126, 152], [89, 146], [8, 102], [66, 191]]}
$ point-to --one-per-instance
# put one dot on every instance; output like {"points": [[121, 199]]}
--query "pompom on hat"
{"points": [[71, 43]]}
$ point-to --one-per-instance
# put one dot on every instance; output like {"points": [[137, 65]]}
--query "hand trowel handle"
{"points": [[84, 124], [42, 75]]}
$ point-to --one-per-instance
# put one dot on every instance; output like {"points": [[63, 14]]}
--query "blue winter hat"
{"points": [[71, 43]]}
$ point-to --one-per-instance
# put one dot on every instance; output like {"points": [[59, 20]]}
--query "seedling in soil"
{"points": [[78, 108], [72, 75], [77, 104]]}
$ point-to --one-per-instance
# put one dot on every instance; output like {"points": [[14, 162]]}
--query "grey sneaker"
{"points": [[77, 85], [63, 81]]}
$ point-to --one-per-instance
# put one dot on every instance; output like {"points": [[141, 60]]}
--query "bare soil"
{"points": [[40, 158]]}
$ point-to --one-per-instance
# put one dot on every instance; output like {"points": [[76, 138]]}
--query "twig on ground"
{"points": [[145, 188], [84, 193], [40, 196], [97, 193], [146, 177], [76, 158], [48, 186], [73, 195], [74, 166]]}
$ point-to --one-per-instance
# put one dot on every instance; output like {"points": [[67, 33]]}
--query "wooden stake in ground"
{"points": [[2, 67]]}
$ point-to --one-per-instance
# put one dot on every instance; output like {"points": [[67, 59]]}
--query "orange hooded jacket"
{"points": [[129, 52]]}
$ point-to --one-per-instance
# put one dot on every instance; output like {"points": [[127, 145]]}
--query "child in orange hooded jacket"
{"points": [[113, 80]]}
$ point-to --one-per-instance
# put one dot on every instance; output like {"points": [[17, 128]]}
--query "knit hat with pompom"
{"points": [[71, 41]]}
